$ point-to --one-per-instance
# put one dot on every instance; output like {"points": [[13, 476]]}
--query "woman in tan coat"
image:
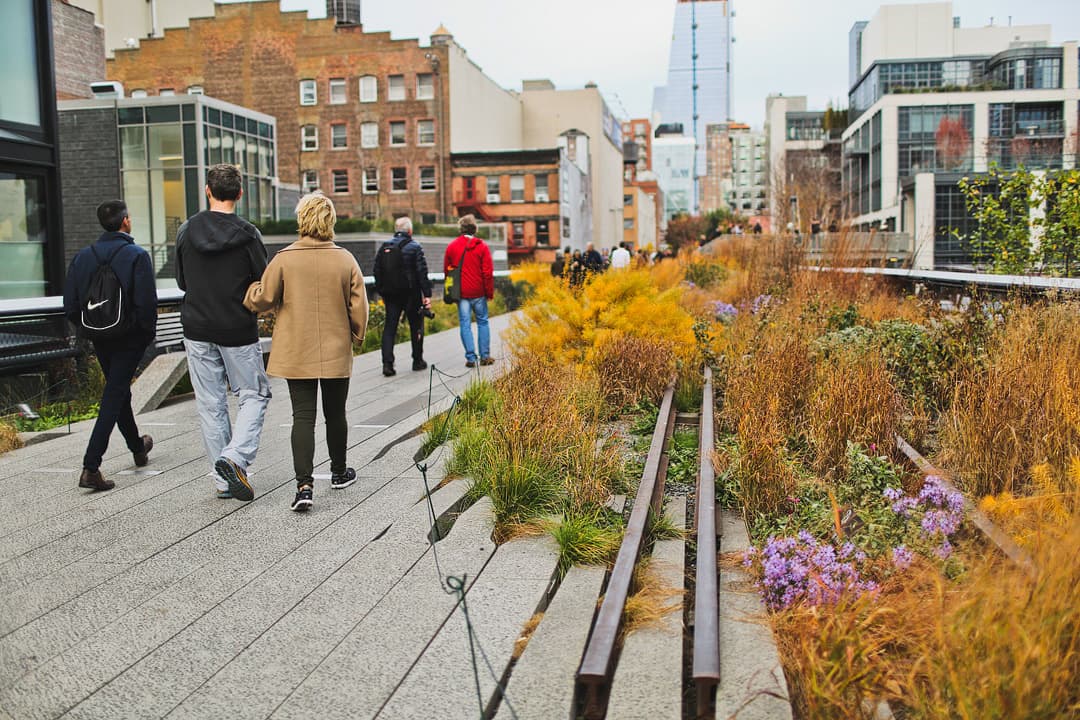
{"points": [[317, 289]]}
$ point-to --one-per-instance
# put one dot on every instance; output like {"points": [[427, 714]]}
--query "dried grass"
{"points": [[9, 438], [652, 600]]}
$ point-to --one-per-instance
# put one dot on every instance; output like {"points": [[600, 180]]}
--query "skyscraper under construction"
{"points": [[698, 89]]}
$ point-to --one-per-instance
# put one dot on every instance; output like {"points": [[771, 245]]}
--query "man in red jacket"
{"points": [[472, 255]]}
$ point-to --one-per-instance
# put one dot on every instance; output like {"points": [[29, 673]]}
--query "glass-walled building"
{"points": [[163, 147], [31, 233]]}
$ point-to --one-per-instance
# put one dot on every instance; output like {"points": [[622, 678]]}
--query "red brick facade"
{"points": [[254, 55]]}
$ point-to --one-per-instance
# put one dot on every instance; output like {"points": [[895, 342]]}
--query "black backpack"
{"points": [[106, 309], [390, 275]]}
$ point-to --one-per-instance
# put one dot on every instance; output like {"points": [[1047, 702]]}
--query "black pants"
{"points": [[303, 394], [118, 365], [410, 305]]}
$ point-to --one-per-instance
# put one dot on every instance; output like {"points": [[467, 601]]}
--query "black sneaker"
{"points": [[236, 479], [303, 500], [388, 370], [344, 480], [419, 365]]}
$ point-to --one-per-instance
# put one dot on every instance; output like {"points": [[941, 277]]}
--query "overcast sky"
{"points": [[788, 46]]}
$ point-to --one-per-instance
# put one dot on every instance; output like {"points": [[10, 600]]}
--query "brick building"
{"points": [[360, 115], [78, 50]]}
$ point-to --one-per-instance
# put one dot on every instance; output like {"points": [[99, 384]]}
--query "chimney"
{"points": [[346, 12]]}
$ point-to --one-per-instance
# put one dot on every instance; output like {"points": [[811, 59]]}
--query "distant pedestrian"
{"points": [[577, 269], [594, 262], [219, 254], [558, 265], [110, 297], [472, 255], [620, 258], [757, 228], [401, 279], [318, 291]]}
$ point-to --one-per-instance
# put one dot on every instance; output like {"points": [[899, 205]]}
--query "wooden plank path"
{"points": [[156, 599]]}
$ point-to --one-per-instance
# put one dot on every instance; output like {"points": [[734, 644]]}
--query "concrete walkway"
{"points": [[156, 599]]}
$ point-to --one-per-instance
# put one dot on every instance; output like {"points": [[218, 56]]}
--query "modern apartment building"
{"points": [[935, 101], [673, 163], [803, 164], [698, 89]]}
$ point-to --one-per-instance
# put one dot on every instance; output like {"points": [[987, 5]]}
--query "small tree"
{"points": [[953, 142], [1000, 202], [685, 231], [1060, 245]]}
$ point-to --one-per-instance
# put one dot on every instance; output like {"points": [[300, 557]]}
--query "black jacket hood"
{"points": [[215, 232]]}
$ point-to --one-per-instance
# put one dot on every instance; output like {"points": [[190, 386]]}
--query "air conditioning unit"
{"points": [[107, 90], [542, 197], [493, 197]]}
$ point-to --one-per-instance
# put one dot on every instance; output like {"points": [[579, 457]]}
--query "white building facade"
{"points": [[673, 163], [935, 102]]}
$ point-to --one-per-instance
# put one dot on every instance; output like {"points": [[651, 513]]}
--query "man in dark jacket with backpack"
{"points": [[401, 279], [110, 298]]}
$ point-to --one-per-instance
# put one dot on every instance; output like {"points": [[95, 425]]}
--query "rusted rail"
{"points": [[597, 665], [706, 667], [978, 518]]}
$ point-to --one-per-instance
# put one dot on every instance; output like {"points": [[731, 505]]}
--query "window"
{"points": [[428, 219], [396, 88], [138, 93], [397, 132], [627, 200], [308, 93], [369, 135], [517, 189], [518, 237], [309, 137], [425, 86], [425, 132], [369, 89], [934, 137], [341, 181], [311, 181], [493, 189], [543, 233], [371, 180], [339, 137], [541, 189], [19, 83], [195, 90], [628, 223], [166, 92], [337, 91], [399, 179], [427, 179]]}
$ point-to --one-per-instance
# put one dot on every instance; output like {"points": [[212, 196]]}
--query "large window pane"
{"points": [[133, 147], [137, 197], [168, 198], [22, 236], [164, 144], [20, 100], [190, 148]]}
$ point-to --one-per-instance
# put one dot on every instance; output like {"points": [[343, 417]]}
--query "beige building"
{"points": [[128, 21], [548, 113]]}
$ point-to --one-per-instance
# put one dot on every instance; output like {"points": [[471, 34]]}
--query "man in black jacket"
{"points": [[218, 255], [119, 356], [408, 292]]}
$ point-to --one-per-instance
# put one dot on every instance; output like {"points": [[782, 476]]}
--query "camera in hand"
{"points": [[427, 312]]}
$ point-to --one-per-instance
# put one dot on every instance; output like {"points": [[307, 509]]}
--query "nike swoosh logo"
{"points": [[94, 306]]}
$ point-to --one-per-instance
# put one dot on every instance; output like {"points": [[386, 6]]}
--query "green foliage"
{"points": [[645, 414], [1060, 242], [519, 491], [706, 274], [587, 539], [53, 415], [682, 460]]}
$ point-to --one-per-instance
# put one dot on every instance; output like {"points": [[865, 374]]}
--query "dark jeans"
{"points": [[118, 366], [410, 305], [303, 394]]}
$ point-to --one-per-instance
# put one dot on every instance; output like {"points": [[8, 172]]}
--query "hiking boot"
{"points": [[94, 480], [302, 501], [344, 480], [487, 361], [419, 365], [388, 370], [470, 363], [141, 458], [236, 479]]}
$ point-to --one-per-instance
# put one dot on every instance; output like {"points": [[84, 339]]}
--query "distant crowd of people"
{"points": [[577, 265]]}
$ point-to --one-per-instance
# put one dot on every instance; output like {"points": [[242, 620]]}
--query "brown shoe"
{"points": [[144, 457], [94, 480], [487, 361]]}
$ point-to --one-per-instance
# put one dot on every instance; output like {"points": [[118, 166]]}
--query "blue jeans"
{"points": [[215, 370], [466, 308]]}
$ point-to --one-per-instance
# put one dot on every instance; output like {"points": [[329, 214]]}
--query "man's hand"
{"points": [[426, 302]]}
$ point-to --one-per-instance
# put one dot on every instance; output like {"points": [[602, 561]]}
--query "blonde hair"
{"points": [[315, 216]]}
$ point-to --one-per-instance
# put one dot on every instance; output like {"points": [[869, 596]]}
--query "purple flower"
{"points": [[944, 550], [802, 569], [761, 302], [723, 310], [902, 557]]}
